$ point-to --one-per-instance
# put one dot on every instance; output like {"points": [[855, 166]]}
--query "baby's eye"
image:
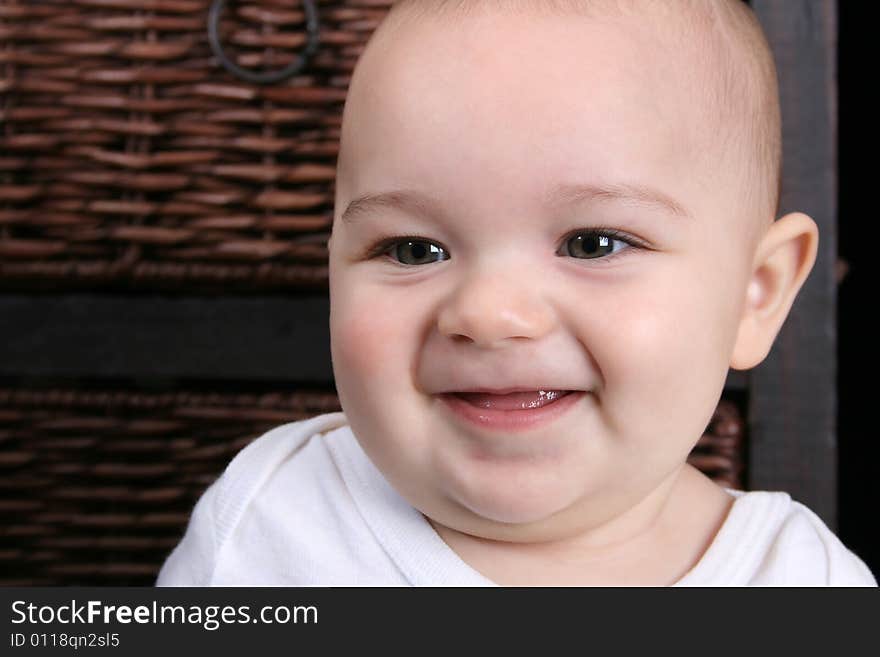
{"points": [[584, 245], [590, 245], [416, 252]]}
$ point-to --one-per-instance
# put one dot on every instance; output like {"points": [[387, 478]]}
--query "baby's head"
{"points": [[555, 196]]}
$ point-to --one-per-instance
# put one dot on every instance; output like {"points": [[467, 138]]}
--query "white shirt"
{"points": [[304, 506]]}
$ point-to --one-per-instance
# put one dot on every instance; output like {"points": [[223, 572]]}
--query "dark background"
{"points": [[859, 453]]}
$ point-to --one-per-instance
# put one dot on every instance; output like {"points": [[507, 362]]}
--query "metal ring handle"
{"points": [[270, 77]]}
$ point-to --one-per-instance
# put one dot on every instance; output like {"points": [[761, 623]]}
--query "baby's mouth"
{"points": [[514, 401]]}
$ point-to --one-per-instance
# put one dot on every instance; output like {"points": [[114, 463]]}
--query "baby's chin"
{"points": [[543, 530], [513, 516]]}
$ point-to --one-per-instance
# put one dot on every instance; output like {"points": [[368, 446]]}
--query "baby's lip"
{"points": [[509, 390], [514, 401]]}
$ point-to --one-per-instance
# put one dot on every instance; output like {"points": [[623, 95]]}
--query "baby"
{"points": [[555, 233]]}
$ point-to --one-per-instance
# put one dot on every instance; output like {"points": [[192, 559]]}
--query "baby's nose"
{"points": [[488, 310]]}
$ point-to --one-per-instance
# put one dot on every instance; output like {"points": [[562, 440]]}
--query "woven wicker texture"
{"points": [[96, 487], [130, 158]]}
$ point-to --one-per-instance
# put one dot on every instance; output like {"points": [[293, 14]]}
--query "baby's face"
{"points": [[578, 238]]}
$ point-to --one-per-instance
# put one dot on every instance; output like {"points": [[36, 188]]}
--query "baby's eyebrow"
{"points": [[568, 194], [418, 203], [408, 201]]}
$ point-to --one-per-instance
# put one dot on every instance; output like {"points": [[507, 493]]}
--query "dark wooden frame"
{"points": [[792, 395]]}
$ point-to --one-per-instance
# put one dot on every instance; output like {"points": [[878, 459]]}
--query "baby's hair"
{"points": [[732, 60]]}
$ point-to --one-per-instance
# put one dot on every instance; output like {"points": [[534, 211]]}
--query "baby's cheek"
{"points": [[650, 346], [365, 335], [668, 360]]}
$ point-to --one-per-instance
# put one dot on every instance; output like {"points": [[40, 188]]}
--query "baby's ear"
{"points": [[784, 259]]}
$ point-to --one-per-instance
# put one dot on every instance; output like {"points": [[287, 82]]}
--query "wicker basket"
{"points": [[97, 487], [129, 158]]}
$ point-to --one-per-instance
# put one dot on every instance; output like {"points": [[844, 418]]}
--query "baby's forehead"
{"points": [[688, 56], [701, 40], [683, 24]]}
